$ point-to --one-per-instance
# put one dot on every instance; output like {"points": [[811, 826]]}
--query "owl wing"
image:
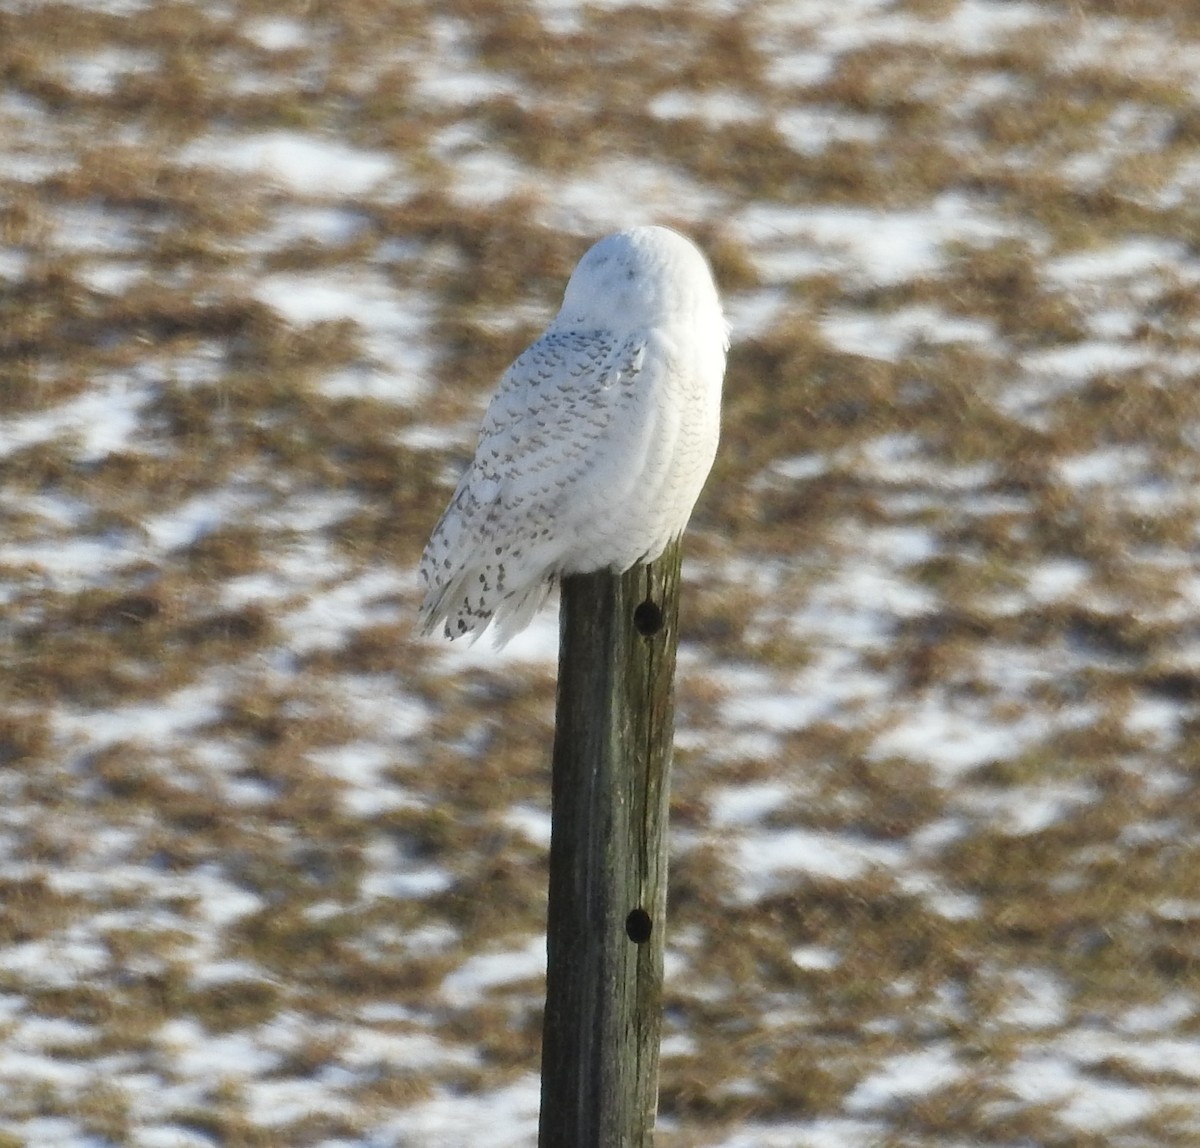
{"points": [[565, 427]]}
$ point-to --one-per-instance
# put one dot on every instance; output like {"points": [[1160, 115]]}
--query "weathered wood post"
{"points": [[608, 856]]}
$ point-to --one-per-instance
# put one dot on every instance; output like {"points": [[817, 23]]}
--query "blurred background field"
{"points": [[272, 870]]}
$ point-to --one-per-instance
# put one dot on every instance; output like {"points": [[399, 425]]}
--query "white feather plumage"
{"points": [[596, 444]]}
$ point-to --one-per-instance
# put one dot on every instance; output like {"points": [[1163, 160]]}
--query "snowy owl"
{"points": [[596, 444]]}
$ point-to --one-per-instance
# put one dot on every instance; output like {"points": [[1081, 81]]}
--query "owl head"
{"points": [[638, 278]]}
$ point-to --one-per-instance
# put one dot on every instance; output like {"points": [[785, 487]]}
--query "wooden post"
{"points": [[608, 856]]}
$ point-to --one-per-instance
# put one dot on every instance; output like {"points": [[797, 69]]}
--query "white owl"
{"points": [[597, 441]]}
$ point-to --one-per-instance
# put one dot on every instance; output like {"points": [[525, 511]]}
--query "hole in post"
{"points": [[638, 926], [648, 619]]}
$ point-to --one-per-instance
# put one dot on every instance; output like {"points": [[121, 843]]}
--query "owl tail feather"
{"points": [[460, 616], [517, 611]]}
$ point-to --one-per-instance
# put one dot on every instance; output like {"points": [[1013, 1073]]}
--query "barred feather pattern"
{"points": [[596, 444]]}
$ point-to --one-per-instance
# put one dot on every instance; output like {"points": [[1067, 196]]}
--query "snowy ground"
{"points": [[272, 870]]}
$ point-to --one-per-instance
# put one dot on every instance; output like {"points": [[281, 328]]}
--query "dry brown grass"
{"points": [[135, 271]]}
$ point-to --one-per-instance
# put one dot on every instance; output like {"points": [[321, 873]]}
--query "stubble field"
{"points": [[272, 869]]}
